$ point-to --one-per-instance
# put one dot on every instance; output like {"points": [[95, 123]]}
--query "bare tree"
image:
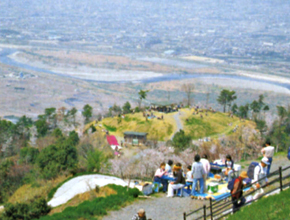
{"points": [[188, 89]]}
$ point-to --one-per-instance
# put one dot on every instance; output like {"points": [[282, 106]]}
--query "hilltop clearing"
{"points": [[156, 129], [210, 124]]}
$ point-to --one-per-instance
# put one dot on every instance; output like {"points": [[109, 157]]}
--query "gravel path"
{"points": [[161, 208], [178, 122]]}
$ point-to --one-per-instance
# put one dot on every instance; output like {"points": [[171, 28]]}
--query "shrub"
{"points": [[96, 160], [28, 154], [110, 128], [97, 189], [134, 192], [93, 128], [180, 140], [137, 109], [32, 210], [54, 159]]}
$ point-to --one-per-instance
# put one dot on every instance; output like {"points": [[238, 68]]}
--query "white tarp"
{"points": [[82, 184]]}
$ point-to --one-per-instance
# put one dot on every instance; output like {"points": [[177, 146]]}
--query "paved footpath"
{"points": [[161, 208], [178, 122]]}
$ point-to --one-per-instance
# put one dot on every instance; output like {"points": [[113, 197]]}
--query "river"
{"points": [[5, 59]]}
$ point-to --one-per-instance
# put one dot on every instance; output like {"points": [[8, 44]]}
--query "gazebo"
{"points": [[135, 138]]}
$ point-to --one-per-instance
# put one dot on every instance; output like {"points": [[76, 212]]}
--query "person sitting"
{"points": [[189, 178], [229, 170], [168, 166], [140, 215], [162, 177], [179, 182]]}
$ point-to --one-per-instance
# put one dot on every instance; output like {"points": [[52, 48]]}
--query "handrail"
{"points": [[216, 208]]}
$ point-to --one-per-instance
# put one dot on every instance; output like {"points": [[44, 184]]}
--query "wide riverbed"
{"points": [[114, 76]]}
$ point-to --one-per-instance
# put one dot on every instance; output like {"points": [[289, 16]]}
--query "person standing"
{"points": [[140, 215], [179, 182], [237, 192], [206, 167], [260, 173], [198, 173], [268, 151], [189, 178]]}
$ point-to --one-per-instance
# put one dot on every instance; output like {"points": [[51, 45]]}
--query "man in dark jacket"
{"points": [[237, 192]]}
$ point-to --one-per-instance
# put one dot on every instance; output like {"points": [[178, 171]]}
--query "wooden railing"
{"points": [[219, 209]]}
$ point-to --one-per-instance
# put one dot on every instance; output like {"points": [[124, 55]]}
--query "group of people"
{"points": [[173, 178]]}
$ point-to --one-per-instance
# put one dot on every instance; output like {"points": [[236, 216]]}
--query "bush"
{"points": [[97, 189], [110, 128], [28, 155], [180, 140], [96, 160], [93, 128], [32, 210], [137, 109], [54, 159], [134, 192]]}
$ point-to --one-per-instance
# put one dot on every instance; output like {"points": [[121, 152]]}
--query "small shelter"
{"points": [[135, 138], [113, 142], [165, 107]]}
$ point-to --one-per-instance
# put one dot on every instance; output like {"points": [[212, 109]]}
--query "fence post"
{"points": [[280, 177], [184, 215], [204, 212], [210, 206]]}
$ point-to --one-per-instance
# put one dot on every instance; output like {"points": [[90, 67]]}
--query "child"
{"points": [[229, 171], [189, 178]]}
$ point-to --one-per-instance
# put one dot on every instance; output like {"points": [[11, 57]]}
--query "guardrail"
{"points": [[220, 209]]}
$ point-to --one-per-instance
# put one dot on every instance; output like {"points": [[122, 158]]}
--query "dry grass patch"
{"points": [[41, 188], [78, 199]]}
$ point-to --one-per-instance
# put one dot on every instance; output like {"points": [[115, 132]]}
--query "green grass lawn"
{"points": [[273, 207], [208, 126], [156, 129], [212, 125]]}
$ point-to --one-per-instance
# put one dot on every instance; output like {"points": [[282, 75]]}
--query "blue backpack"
{"points": [[251, 169], [231, 184], [288, 155]]}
